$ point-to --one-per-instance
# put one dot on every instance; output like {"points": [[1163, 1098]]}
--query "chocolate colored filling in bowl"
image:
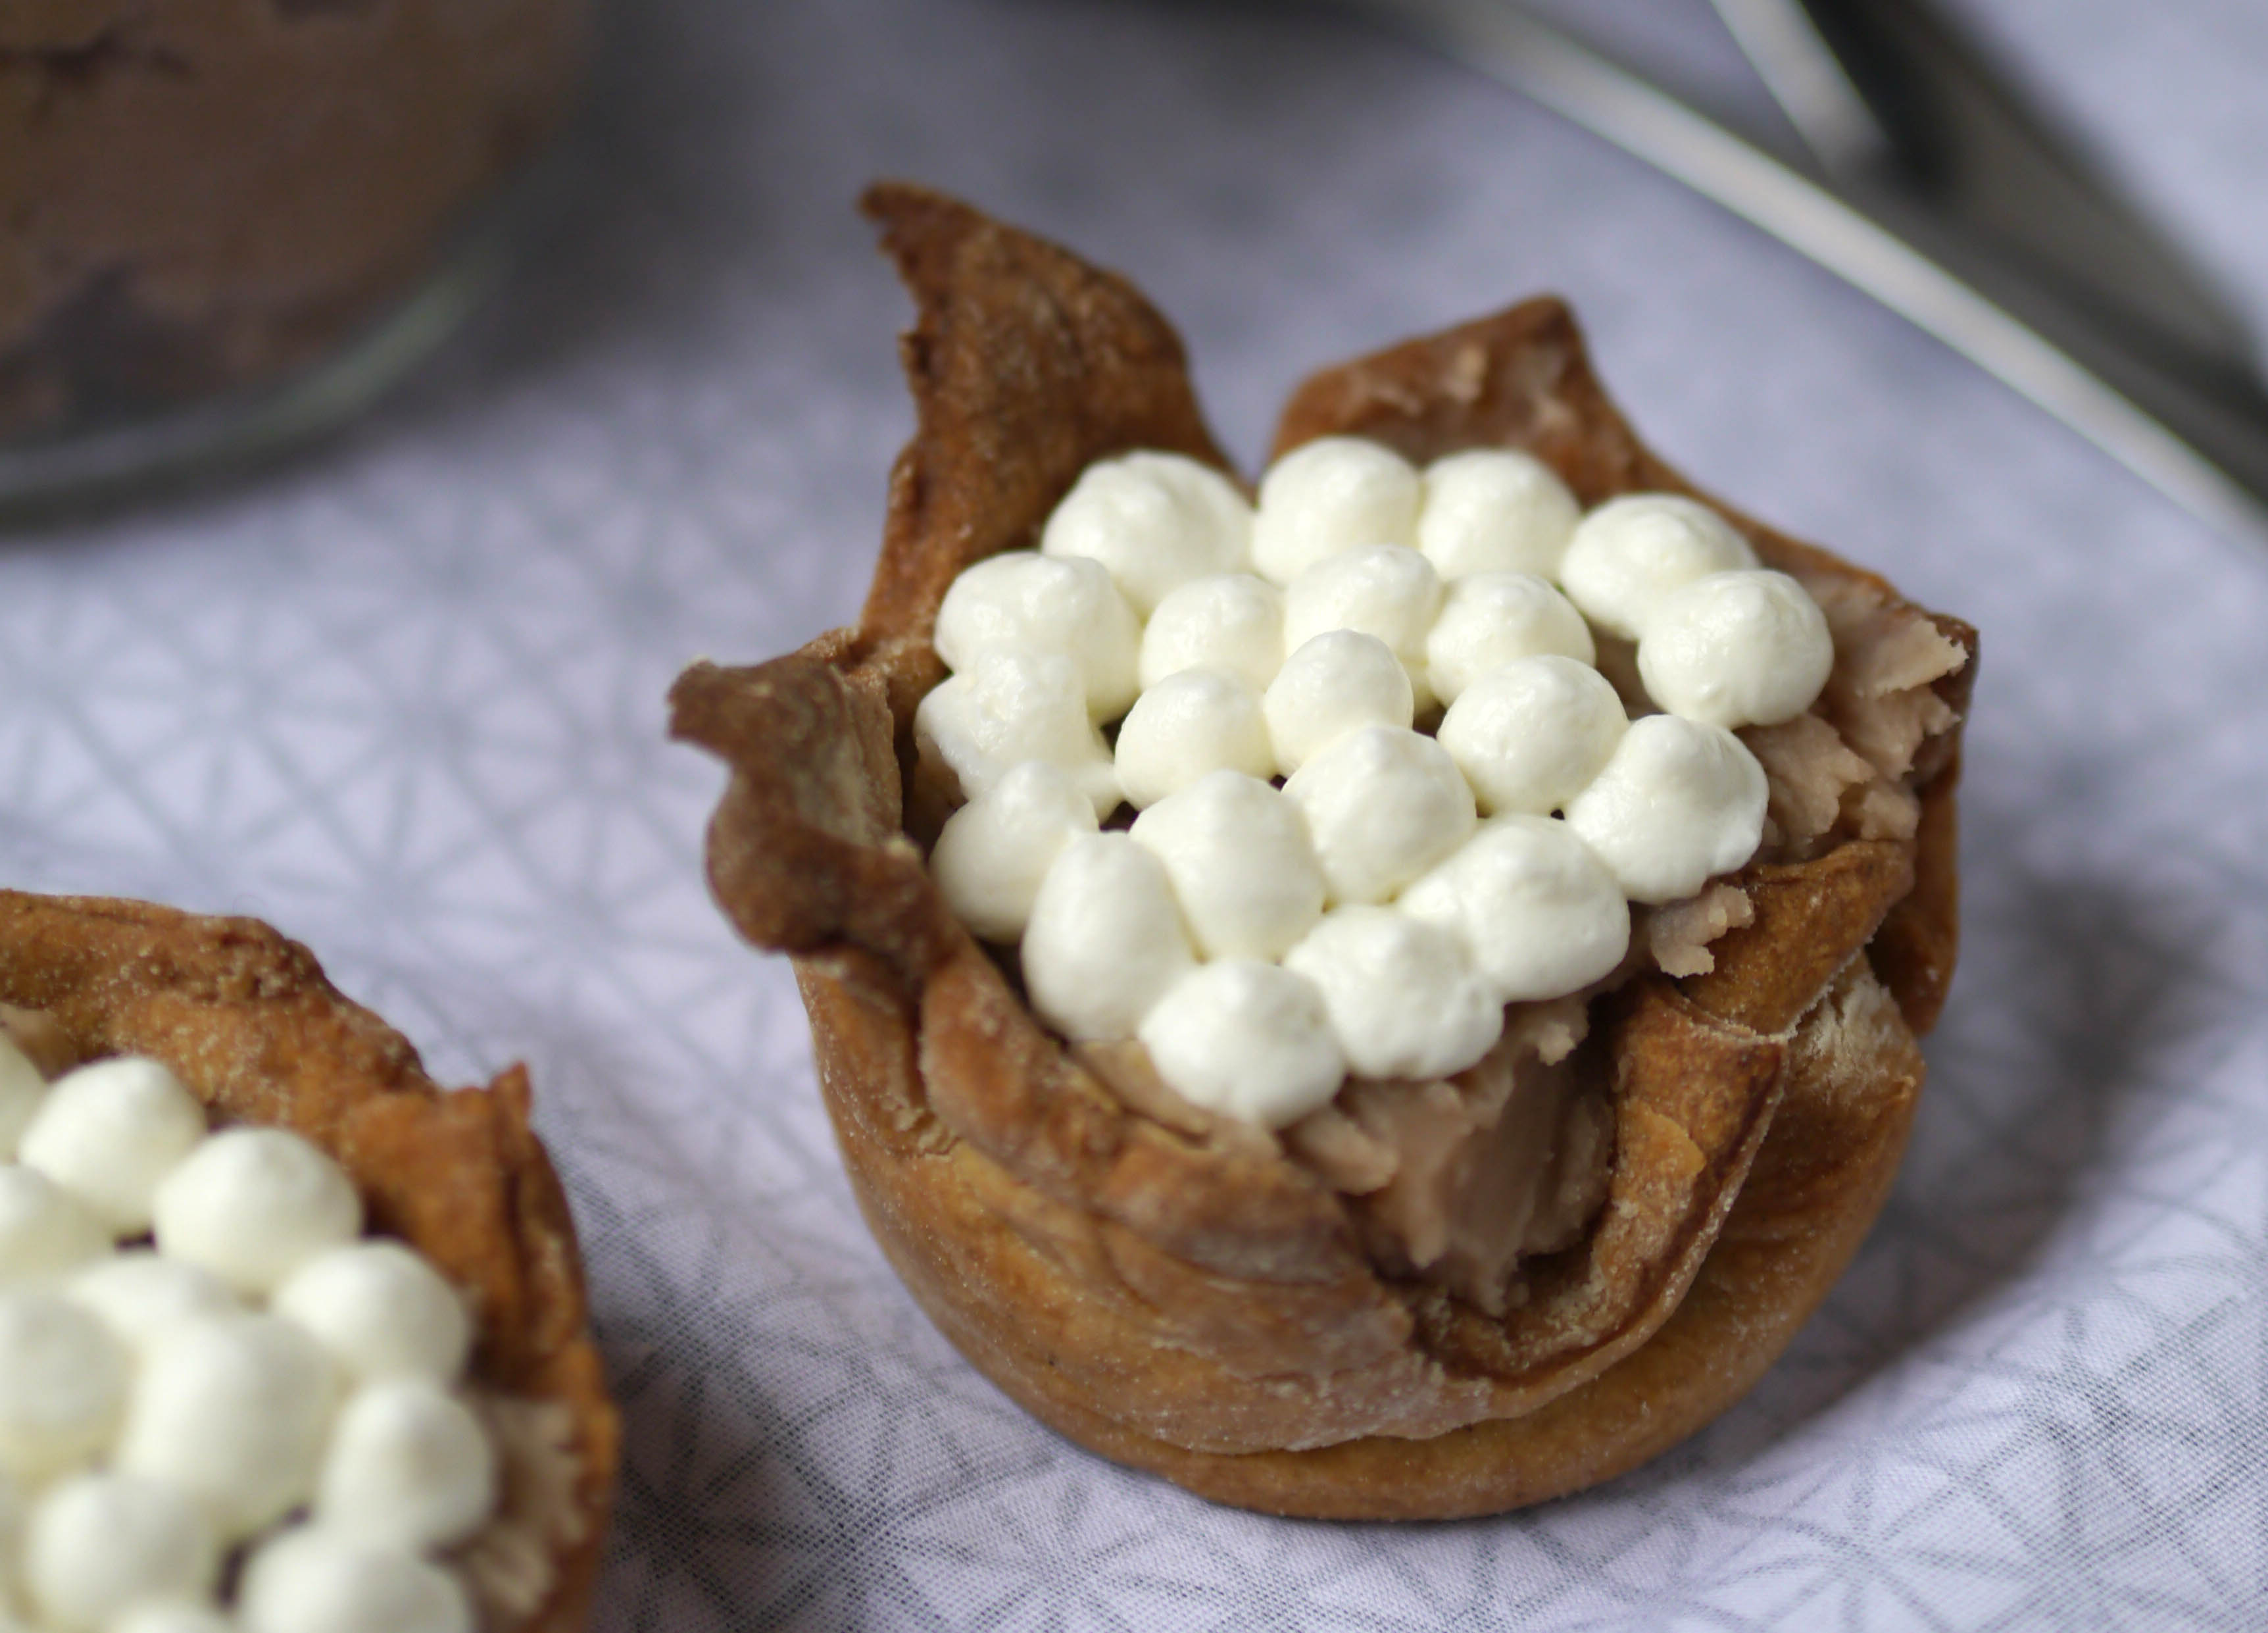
{"points": [[198, 197], [1426, 1299]]}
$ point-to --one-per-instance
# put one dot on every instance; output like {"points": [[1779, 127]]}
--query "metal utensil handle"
{"points": [[2205, 452]]}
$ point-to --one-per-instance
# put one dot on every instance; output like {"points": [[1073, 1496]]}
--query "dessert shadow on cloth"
{"points": [[1193, 1301], [246, 1020]]}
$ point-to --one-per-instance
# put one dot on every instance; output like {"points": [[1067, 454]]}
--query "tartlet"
{"points": [[247, 1022], [1199, 1297]]}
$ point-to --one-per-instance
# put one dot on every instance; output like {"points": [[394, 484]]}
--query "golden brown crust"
{"points": [[1011, 336], [1846, 1108], [1519, 379], [1915, 949], [1186, 1297], [248, 1022], [1809, 918]]}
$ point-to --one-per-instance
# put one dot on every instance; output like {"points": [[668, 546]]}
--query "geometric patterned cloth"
{"points": [[402, 696]]}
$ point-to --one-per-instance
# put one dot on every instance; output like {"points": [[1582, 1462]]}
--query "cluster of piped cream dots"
{"points": [[208, 1374], [1375, 911]]}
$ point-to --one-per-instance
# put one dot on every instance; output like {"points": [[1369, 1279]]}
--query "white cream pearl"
{"points": [[1680, 802], [1247, 1040], [993, 852], [1540, 913], [1495, 510], [1384, 590], [1631, 551], [1333, 494], [382, 1312], [232, 1410], [1736, 649], [1242, 869], [1011, 705], [1336, 684], [409, 1464], [99, 1544], [22, 1089], [1105, 941], [1403, 996], [1232, 621], [1398, 589], [1030, 603], [140, 1295], [110, 1132], [252, 1205], [1531, 735], [1382, 807], [45, 1232], [62, 1383], [1190, 724], [1154, 521], [313, 1579], [1494, 618]]}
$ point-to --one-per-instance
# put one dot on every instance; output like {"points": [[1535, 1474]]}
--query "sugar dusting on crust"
{"points": [[511, 1564], [1467, 373], [1855, 1023]]}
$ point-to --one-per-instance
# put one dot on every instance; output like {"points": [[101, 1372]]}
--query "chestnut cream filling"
{"points": [[1457, 1181]]}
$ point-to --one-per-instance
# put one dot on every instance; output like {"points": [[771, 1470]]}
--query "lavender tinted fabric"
{"points": [[403, 698]]}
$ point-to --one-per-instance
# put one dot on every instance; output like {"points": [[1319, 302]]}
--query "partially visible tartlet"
{"points": [[247, 1023], [1241, 1310]]}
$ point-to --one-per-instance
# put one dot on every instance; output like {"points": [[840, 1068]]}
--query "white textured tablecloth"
{"points": [[403, 698]]}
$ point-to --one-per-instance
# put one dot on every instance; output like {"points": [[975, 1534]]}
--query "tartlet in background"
{"points": [[249, 1024]]}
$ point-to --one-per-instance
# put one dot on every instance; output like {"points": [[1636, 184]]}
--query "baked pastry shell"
{"points": [[1187, 1299], [248, 1020]]}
